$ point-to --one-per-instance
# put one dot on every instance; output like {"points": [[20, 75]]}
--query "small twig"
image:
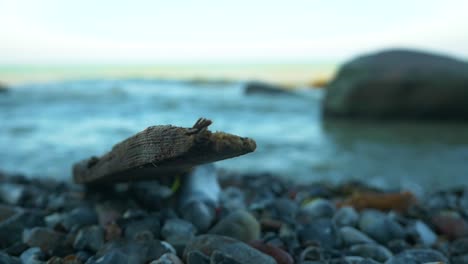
{"points": [[200, 126]]}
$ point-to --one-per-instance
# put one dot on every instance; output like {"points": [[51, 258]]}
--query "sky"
{"points": [[193, 31]]}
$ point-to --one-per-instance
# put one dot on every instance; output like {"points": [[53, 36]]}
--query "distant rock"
{"points": [[399, 84], [3, 88], [261, 88]]}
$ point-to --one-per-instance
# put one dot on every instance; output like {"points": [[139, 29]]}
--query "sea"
{"points": [[46, 127]]}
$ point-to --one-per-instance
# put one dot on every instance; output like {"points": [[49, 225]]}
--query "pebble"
{"points": [[219, 257], [44, 238], [199, 196], [416, 256], [450, 224], [284, 209], [167, 258], [373, 251], [6, 259], [346, 216], [149, 223], [7, 211], [317, 208], [319, 231], [424, 233], [89, 238], [238, 250], [33, 255], [176, 229], [11, 193], [196, 257], [281, 256], [240, 225], [78, 217], [351, 236], [232, 199], [11, 229], [359, 260], [113, 257], [380, 226]]}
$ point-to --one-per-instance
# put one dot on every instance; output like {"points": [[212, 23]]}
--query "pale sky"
{"points": [[166, 31]]}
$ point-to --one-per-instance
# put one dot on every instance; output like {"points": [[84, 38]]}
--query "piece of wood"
{"points": [[161, 151]]}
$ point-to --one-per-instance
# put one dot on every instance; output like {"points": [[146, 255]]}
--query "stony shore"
{"points": [[260, 219]]}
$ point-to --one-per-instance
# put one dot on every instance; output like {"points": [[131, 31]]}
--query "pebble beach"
{"points": [[258, 218]]}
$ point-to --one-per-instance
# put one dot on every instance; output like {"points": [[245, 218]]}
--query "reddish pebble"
{"points": [[281, 256], [270, 224], [113, 231], [451, 225]]}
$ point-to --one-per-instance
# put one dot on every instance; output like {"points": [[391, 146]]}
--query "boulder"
{"points": [[3, 88], [399, 84], [261, 88]]}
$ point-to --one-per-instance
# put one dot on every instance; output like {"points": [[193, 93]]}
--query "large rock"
{"points": [[261, 88], [3, 88], [399, 84]]}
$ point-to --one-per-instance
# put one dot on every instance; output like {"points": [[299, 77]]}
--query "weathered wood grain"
{"points": [[161, 151]]}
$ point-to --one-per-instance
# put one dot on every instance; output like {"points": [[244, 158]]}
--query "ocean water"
{"points": [[47, 127]]}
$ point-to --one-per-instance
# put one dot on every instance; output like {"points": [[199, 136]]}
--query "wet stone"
{"points": [[240, 225], [397, 245], [317, 208], [113, 257], [167, 258], [459, 247], [373, 251], [380, 226], [44, 238], [346, 216], [178, 233], [238, 250], [6, 259], [320, 231], [351, 236], [33, 255], [417, 256], [219, 258], [232, 199], [78, 217], [89, 238], [423, 233], [284, 209], [11, 229], [196, 257], [150, 223]]}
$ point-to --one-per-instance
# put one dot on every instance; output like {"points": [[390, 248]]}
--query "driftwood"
{"points": [[161, 151]]}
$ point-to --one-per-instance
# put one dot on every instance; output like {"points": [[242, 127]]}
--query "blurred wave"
{"points": [[45, 128]]}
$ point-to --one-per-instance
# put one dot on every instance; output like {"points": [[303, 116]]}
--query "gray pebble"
{"points": [[238, 250], [321, 231], [380, 226], [6, 259], [167, 258], [240, 225], [232, 199], [33, 255], [351, 236], [89, 238], [196, 257], [78, 217], [346, 216], [175, 229], [150, 223], [113, 257], [43, 237], [417, 256], [424, 233], [317, 208], [373, 251]]}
